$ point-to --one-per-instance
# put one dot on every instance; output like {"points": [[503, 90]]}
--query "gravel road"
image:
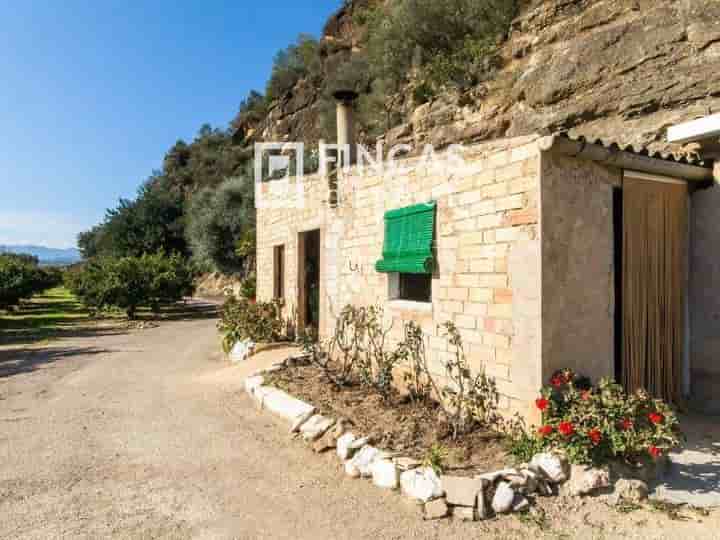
{"points": [[147, 434]]}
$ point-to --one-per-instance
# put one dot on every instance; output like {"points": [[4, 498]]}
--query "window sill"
{"points": [[410, 305]]}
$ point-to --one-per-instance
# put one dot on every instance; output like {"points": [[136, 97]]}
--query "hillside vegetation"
{"points": [[429, 71]]}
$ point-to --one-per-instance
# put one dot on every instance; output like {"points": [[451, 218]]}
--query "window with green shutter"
{"points": [[408, 243]]}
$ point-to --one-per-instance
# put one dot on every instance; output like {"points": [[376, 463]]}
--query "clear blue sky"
{"points": [[92, 94]]}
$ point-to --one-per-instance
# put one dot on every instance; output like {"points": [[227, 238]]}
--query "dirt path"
{"points": [[147, 435]]}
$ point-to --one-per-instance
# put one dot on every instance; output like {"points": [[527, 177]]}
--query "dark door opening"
{"points": [[309, 280], [618, 271]]}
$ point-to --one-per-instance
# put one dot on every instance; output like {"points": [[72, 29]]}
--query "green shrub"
{"points": [[21, 278], [441, 42], [221, 226], [246, 319], [131, 282], [248, 287], [597, 424], [292, 64], [252, 109]]}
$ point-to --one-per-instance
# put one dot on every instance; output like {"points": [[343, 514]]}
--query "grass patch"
{"points": [[43, 317], [58, 313]]}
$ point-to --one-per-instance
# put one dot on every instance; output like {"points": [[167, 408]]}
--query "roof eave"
{"points": [[623, 159]]}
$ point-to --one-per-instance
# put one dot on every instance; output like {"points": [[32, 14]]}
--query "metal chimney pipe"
{"points": [[346, 121]]}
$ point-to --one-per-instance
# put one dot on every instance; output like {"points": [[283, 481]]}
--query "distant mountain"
{"points": [[46, 255]]}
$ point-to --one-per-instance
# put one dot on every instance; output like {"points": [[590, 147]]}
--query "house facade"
{"points": [[546, 252]]}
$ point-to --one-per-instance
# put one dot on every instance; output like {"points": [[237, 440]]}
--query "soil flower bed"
{"points": [[396, 423]]}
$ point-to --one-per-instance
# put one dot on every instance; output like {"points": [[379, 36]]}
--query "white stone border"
{"points": [[467, 498]]}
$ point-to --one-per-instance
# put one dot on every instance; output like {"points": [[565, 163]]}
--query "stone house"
{"points": [[545, 251]]}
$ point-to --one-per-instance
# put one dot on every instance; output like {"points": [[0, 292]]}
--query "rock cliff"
{"points": [[619, 69]]}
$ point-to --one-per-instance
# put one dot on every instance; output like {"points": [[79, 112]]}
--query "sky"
{"points": [[93, 93]]}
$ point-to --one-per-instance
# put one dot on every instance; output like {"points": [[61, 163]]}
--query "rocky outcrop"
{"points": [[617, 69], [623, 70]]}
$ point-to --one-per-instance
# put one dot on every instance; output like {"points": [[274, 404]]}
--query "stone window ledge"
{"points": [[410, 305]]}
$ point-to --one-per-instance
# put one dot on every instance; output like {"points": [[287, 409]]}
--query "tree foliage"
{"points": [[155, 220], [291, 64], [221, 226], [130, 282], [446, 43], [21, 278]]}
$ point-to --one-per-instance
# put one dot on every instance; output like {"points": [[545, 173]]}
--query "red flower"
{"points": [[656, 418], [566, 428], [654, 451], [545, 430], [542, 403], [595, 436], [558, 380], [586, 395], [626, 424]]}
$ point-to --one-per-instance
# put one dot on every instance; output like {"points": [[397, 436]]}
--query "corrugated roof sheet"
{"points": [[687, 158]]}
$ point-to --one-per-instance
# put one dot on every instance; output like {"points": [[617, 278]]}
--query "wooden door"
{"points": [[655, 234]]}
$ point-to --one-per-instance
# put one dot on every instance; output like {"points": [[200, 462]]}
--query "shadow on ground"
{"points": [[694, 474], [25, 360], [56, 317]]}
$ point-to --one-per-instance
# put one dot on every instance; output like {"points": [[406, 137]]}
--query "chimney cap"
{"points": [[345, 96]]}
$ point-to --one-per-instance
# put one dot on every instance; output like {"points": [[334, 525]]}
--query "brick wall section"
{"points": [[487, 216]]}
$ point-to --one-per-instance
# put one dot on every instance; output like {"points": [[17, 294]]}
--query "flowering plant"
{"points": [[596, 424]]}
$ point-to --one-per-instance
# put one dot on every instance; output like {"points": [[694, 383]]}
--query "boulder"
{"points": [[251, 383], [316, 427], [544, 488], [553, 466], [436, 509], [461, 491], [298, 423], [422, 484], [629, 490], [584, 480], [504, 498], [242, 350], [357, 444], [351, 470], [520, 504], [364, 459], [531, 482], [282, 404], [494, 476], [385, 474], [343, 446]]}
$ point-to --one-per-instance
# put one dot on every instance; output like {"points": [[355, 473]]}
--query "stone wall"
{"points": [[578, 279], [705, 298], [488, 255]]}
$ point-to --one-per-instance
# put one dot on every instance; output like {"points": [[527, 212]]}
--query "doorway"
{"points": [[653, 290], [309, 282]]}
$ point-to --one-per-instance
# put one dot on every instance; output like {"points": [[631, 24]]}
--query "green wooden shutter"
{"points": [[408, 240]]}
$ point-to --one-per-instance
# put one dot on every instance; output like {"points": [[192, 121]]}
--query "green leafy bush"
{"points": [[293, 63], [21, 278], [246, 319], [248, 287], [221, 226], [131, 282], [443, 43], [597, 424]]}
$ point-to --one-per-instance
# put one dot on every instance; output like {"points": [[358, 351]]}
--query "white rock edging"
{"points": [[385, 474], [466, 498], [242, 350], [421, 484]]}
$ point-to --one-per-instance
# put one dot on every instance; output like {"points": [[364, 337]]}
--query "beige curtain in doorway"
{"points": [[655, 231]]}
